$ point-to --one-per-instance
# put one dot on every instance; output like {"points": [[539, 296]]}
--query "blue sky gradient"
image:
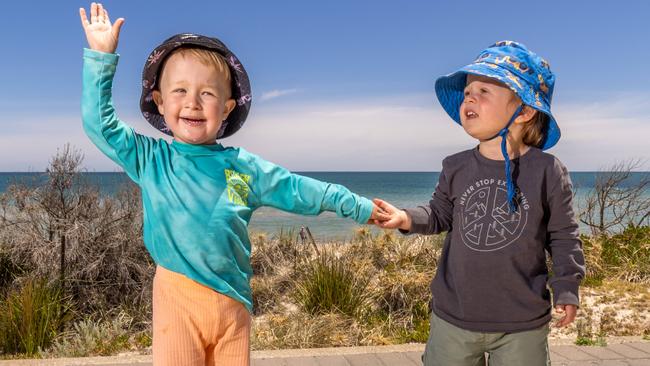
{"points": [[346, 84]]}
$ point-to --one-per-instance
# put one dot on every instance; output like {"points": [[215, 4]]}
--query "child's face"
{"points": [[487, 107], [194, 99]]}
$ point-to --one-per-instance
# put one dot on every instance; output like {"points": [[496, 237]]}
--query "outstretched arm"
{"points": [[277, 187]]}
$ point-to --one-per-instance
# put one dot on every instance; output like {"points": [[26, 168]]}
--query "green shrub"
{"points": [[327, 284], [596, 271], [586, 336], [31, 317], [629, 253], [418, 328], [92, 338], [624, 256]]}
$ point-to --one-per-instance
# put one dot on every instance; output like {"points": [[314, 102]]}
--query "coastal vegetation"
{"points": [[75, 278]]}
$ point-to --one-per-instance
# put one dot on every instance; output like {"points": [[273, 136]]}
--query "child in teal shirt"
{"points": [[198, 196]]}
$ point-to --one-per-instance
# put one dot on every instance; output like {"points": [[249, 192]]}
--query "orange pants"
{"points": [[195, 325]]}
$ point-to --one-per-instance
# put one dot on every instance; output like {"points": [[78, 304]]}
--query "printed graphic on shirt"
{"points": [[237, 187], [486, 222]]}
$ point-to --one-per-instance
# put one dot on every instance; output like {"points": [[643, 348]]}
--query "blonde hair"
{"points": [[208, 58], [533, 131]]}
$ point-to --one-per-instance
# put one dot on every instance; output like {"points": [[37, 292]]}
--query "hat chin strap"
{"points": [[504, 150]]}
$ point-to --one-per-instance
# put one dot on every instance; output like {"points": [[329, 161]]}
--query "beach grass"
{"points": [[369, 289]]}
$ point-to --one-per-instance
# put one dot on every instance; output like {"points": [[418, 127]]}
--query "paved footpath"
{"points": [[624, 351]]}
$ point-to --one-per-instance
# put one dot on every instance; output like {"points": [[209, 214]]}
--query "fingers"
{"points": [[387, 207], [569, 312], [101, 13], [93, 13], [562, 322], [384, 224], [381, 216], [389, 224], [97, 13], [84, 18], [117, 27]]}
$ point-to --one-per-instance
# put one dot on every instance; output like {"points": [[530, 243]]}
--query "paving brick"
{"points": [[641, 346], [602, 353], [628, 351], [633, 353], [396, 358], [268, 362], [368, 359], [332, 361], [301, 361], [612, 363], [556, 357], [572, 353], [415, 357], [639, 362]]}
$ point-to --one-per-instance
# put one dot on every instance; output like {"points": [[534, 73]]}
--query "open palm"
{"points": [[100, 33]]}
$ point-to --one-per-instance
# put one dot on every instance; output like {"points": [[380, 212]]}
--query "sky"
{"points": [[338, 85]]}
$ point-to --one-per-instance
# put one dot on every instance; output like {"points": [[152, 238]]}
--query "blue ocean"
{"points": [[403, 189]]}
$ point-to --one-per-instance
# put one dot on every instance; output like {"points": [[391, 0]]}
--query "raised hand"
{"points": [[396, 218], [101, 35]]}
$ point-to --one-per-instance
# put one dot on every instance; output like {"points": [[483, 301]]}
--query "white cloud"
{"points": [[409, 133], [276, 93], [32, 141]]}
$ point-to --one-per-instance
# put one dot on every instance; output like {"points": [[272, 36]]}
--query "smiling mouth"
{"points": [[192, 122]]}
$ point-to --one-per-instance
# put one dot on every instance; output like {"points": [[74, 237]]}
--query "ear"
{"points": [[157, 98], [230, 105], [527, 114]]}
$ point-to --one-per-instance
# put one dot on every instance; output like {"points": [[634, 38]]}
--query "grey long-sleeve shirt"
{"points": [[492, 275]]}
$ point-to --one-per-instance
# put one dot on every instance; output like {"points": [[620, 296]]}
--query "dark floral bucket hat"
{"points": [[512, 64], [241, 88]]}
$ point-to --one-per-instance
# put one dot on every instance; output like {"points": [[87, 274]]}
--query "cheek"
{"points": [[491, 105], [169, 101], [216, 107]]}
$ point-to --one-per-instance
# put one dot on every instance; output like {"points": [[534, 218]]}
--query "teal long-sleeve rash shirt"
{"points": [[198, 199]]}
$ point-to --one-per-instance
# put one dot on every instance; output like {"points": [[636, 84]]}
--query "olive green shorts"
{"points": [[449, 345]]}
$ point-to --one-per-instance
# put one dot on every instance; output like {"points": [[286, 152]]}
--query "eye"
{"points": [[179, 90], [483, 90], [208, 93]]}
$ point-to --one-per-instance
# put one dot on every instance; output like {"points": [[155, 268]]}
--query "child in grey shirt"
{"points": [[504, 205]]}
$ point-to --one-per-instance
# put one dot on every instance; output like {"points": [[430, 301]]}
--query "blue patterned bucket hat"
{"points": [[241, 88], [512, 64]]}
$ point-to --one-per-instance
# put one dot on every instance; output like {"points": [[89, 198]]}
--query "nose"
{"points": [[469, 96], [192, 101]]}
